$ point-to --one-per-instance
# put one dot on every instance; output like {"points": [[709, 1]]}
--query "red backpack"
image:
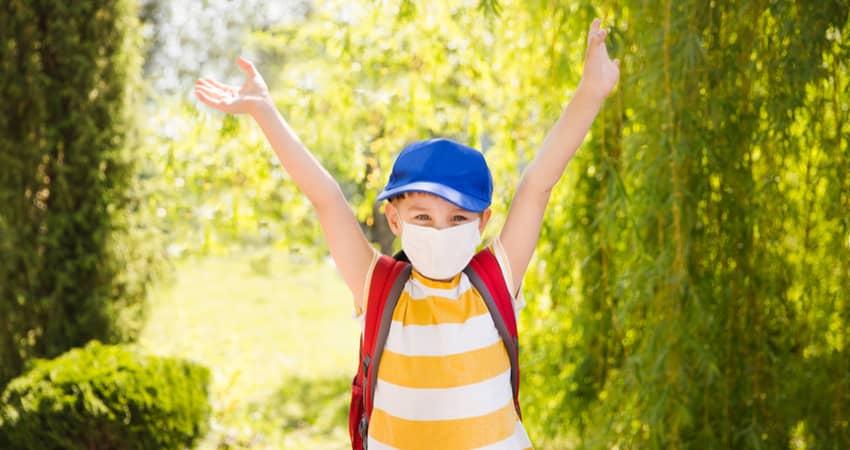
{"points": [[385, 287]]}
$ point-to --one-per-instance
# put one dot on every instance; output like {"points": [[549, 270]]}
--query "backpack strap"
{"points": [[388, 279], [486, 275]]}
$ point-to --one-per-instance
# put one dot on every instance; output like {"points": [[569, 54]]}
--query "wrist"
{"points": [[258, 106], [588, 92]]}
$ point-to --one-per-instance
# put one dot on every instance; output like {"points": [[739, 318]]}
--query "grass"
{"points": [[279, 338]]}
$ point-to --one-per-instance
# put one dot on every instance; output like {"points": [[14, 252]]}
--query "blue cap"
{"points": [[444, 168]]}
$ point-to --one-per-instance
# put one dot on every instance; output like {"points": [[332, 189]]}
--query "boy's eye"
{"points": [[423, 217], [459, 218]]}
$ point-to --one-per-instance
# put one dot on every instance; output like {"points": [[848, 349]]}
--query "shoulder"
{"points": [[498, 250], [382, 270], [360, 303]]}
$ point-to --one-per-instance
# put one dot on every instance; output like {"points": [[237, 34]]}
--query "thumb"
{"points": [[246, 66]]}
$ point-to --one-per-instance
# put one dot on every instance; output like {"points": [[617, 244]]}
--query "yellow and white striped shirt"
{"points": [[444, 377]]}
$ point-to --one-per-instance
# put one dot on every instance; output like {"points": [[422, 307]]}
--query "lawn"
{"points": [[278, 336]]}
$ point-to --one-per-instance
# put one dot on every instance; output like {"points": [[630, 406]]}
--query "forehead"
{"points": [[424, 200]]}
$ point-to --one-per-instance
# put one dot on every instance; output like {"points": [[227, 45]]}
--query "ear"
{"points": [[392, 215], [485, 217]]}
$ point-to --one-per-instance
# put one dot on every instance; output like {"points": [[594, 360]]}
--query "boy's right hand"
{"points": [[233, 99]]}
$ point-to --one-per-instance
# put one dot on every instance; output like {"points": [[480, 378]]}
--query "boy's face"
{"points": [[429, 210]]}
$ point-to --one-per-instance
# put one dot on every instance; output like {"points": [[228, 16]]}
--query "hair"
{"points": [[397, 197]]}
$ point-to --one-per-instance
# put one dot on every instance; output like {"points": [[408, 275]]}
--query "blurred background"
{"points": [[691, 287]]}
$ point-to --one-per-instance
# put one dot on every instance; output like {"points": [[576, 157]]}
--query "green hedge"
{"points": [[76, 262], [106, 397]]}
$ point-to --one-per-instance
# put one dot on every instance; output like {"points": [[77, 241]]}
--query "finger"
{"points": [[213, 83], [206, 98], [247, 66], [596, 34], [218, 85], [591, 33], [212, 91], [597, 38], [212, 95], [206, 84], [594, 26], [594, 39]]}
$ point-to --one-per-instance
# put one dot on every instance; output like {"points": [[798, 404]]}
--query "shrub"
{"points": [[106, 397]]}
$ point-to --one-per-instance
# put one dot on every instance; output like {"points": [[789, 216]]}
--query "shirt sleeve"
{"points": [[517, 298], [358, 313]]}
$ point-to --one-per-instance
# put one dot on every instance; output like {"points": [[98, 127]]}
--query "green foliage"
{"points": [[212, 185], [707, 232], [305, 412], [359, 83], [690, 286], [76, 263], [106, 397], [321, 403]]}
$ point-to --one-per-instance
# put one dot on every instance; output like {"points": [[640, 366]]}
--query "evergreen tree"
{"points": [[72, 268]]}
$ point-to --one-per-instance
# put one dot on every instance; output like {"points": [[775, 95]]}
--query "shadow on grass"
{"points": [[304, 412], [320, 404]]}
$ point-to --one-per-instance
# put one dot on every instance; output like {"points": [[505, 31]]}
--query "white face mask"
{"points": [[440, 254]]}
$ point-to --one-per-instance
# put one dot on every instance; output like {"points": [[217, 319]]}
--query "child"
{"points": [[442, 381]]}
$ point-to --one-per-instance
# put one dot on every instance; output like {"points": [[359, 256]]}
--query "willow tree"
{"points": [[709, 229]]}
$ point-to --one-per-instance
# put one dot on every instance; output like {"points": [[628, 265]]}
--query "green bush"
{"points": [[106, 397]]}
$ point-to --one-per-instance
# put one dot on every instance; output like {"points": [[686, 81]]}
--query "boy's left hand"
{"points": [[600, 72]]}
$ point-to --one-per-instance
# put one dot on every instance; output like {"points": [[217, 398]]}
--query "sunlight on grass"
{"points": [[279, 339]]}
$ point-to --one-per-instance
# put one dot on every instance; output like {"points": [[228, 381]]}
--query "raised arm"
{"points": [[525, 216], [348, 246]]}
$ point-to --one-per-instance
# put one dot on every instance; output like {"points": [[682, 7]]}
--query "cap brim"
{"points": [[464, 201]]}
